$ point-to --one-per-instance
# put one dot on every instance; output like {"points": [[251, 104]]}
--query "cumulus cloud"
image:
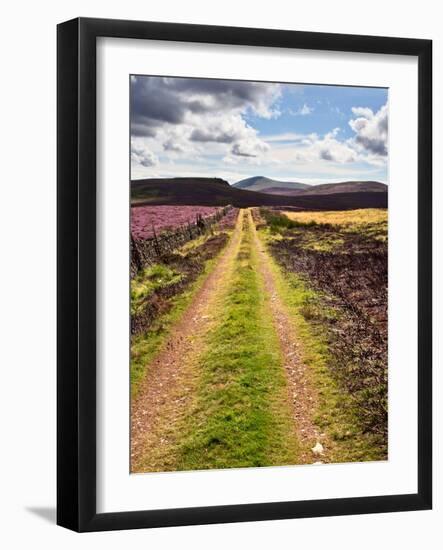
{"points": [[365, 112], [139, 129], [174, 145], [249, 148], [371, 130], [178, 122], [369, 144], [143, 156], [156, 101], [221, 95], [187, 115], [222, 129], [326, 148]]}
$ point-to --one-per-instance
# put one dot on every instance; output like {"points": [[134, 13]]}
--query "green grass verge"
{"points": [[337, 414], [240, 416], [146, 345], [149, 280]]}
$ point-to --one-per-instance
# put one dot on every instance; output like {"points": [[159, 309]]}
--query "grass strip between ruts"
{"points": [[240, 415]]}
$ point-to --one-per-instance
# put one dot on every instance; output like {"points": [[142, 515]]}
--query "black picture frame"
{"points": [[76, 266]]}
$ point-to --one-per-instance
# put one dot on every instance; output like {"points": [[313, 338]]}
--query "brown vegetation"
{"points": [[350, 271]]}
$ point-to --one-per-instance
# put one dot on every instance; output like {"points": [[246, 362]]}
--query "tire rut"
{"points": [[302, 395], [158, 402]]}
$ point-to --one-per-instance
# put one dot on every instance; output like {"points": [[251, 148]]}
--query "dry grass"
{"points": [[362, 216], [371, 222]]}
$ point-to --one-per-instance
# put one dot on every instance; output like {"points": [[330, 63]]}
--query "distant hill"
{"points": [[264, 184], [288, 189], [196, 191], [330, 188], [218, 192], [345, 187]]}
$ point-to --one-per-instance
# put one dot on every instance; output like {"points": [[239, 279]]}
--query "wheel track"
{"points": [[302, 395], [158, 402]]}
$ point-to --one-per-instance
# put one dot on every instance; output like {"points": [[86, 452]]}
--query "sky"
{"points": [[183, 127]]}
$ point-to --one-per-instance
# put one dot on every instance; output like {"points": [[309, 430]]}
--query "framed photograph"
{"points": [[244, 274]]}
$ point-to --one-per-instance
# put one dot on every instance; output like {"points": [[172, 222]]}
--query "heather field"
{"points": [[147, 219]]}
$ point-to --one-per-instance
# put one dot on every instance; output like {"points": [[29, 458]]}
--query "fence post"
{"points": [[136, 254], [156, 243]]}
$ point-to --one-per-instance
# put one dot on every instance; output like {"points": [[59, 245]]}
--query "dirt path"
{"points": [[166, 395], [166, 391], [302, 395]]}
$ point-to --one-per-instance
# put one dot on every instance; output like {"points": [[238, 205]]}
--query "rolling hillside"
{"points": [[218, 192], [197, 191], [346, 187], [330, 188]]}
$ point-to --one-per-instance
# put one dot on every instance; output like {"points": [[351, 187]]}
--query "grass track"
{"points": [[236, 411], [240, 416]]}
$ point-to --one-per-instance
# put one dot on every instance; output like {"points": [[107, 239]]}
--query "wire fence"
{"points": [[145, 252]]}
